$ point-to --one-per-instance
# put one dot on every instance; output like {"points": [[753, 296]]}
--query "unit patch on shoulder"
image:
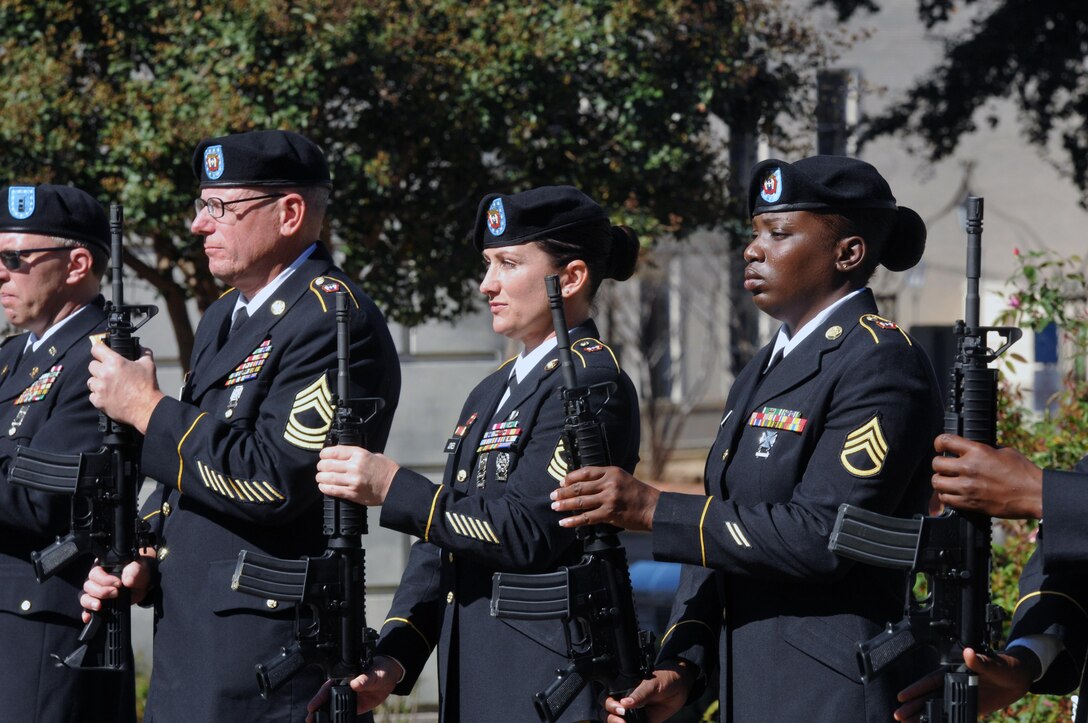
{"points": [[871, 322], [251, 367], [865, 449], [311, 415], [588, 346], [41, 386], [324, 286]]}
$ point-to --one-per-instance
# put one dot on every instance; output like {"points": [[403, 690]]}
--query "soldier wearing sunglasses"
{"points": [[236, 455], [54, 248]]}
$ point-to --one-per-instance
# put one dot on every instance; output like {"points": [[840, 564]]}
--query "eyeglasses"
{"points": [[13, 260], [217, 206]]}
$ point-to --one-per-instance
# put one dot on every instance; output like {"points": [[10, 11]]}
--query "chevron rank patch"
{"points": [[865, 449], [41, 386], [311, 415], [472, 527], [558, 466], [241, 490], [251, 367], [501, 436], [778, 419]]}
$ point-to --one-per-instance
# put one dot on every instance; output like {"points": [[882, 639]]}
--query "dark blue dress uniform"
{"points": [[1054, 583], [235, 459], [44, 404], [848, 416], [493, 513]]}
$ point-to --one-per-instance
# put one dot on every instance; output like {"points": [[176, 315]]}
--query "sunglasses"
{"points": [[13, 260]]}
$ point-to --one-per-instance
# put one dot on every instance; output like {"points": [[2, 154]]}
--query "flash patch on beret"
{"points": [[865, 449]]}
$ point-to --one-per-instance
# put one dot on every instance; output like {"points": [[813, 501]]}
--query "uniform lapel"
{"points": [[245, 340], [33, 364]]}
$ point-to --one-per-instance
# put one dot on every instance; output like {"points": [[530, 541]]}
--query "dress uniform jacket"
{"points": [[492, 513], [44, 404], [848, 416], [1054, 583], [235, 459]]}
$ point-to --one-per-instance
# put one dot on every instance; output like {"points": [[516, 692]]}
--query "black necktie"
{"points": [[512, 385], [239, 319]]}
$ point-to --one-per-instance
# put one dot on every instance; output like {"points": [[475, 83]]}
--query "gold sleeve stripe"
{"points": [[408, 622], [273, 491], [149, 515], [181, 461], [475, 527], [255, 491], [1040, 593], [702, 519], [684, 622], [491, 533], [430, 517], [455, 524]]}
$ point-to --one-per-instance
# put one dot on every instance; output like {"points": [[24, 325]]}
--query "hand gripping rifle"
{"points": [[103, 486], [952, 550], [329, 592], [594, 595]]}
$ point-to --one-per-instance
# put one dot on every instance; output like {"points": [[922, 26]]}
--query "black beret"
{"points": [[260, 158], [517, 218], [837, 184], [62, 211]]}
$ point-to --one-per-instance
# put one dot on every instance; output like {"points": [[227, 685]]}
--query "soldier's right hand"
{"points": [[371, 688], [101, 585]]}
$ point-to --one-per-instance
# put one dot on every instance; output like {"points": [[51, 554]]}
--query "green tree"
{"points": [[1028, 51], [421, 105]]}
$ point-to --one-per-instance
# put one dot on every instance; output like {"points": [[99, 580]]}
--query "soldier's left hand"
{"points": [[127, 391], [605, 495], [355, 474], [978, 478]]}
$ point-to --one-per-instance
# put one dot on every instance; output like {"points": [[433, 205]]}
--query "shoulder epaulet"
{"points": [[225, 292], [500, 366], [325, 286], [878, 326], [9, 337], [586, 349]]}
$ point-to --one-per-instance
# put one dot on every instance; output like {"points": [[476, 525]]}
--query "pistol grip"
{"points": [[559, 695], [56, 557]]}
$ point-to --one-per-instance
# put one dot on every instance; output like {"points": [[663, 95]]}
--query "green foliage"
{"points": [[1046, 289], [1029, 52], [422, 106]]}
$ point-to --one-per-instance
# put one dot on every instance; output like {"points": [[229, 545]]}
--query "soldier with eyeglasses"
{"points": [[235, 456], [54, 248]]}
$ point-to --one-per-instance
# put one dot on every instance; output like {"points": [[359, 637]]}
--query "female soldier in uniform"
{"points": [[492, 512], [847, 415]]}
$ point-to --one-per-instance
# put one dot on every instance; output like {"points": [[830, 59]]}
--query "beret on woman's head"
{"points": [[829, 184]]}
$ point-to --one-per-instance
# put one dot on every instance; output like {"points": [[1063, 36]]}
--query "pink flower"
{"points": [[1015, 251], [1014, 301]]}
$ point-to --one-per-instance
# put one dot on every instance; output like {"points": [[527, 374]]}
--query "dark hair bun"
{"points": [[624, 254], [907, 243]]}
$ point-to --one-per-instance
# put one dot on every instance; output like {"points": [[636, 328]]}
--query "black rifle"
{"points": [[594, 595], [103, 486], [329, 592], [951, 550]]}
